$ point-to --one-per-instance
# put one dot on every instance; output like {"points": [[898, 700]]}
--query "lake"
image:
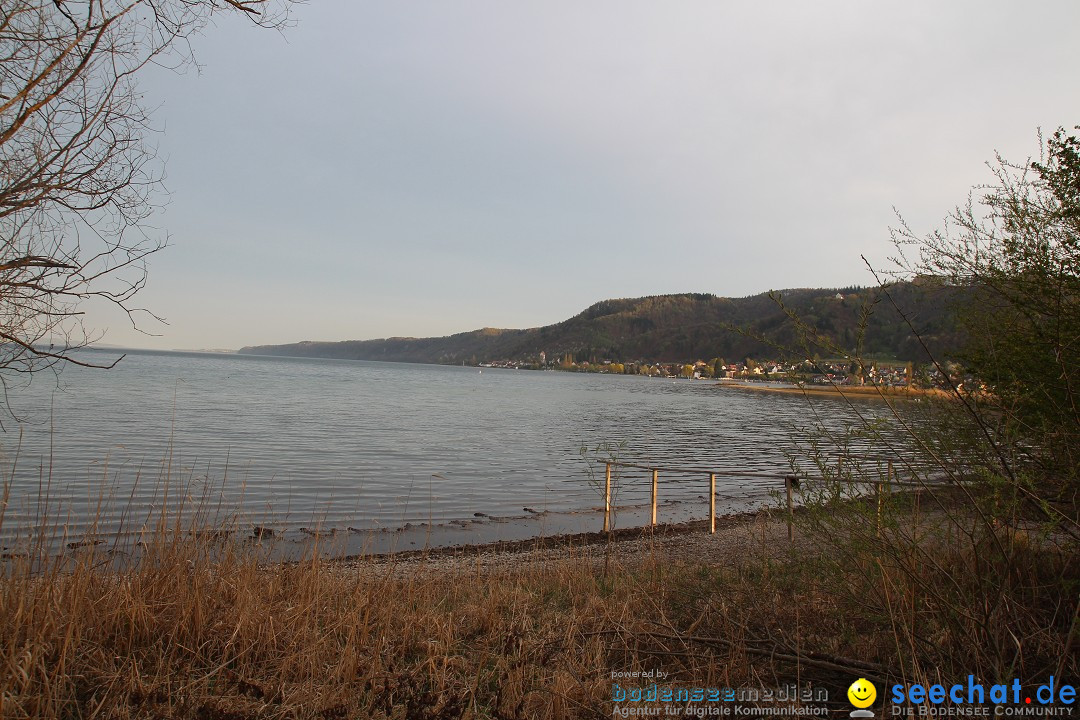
{"points": [[421, 453]]}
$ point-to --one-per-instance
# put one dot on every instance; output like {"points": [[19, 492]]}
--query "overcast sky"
{"points": [[429, 167]]}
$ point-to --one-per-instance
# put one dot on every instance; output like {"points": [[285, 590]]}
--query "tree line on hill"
{"points": [[688, 327]]}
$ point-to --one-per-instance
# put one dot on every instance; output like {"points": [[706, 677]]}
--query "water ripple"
{"points": [[369, 445]]}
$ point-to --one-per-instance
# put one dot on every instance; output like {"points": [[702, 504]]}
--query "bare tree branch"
{"points": [[78, 179]]}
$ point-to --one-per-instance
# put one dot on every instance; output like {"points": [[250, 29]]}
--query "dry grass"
{"points": [[199, 628], [205, 630], [958, 591]]}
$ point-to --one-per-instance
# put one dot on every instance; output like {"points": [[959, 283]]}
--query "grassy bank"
{"points": [[195, 630], [203, 630]]}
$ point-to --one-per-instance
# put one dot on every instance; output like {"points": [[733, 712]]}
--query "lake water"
{"points": [[354, 447]]}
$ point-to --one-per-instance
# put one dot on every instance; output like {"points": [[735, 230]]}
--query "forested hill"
{"points": [[684, 327]]}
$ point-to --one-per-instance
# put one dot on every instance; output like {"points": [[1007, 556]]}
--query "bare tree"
{"points": [[78, 179]]}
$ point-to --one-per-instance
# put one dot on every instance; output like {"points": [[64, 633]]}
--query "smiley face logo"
{"points": [[862, 693]]}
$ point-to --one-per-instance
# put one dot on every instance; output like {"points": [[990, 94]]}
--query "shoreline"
{"points": [[340, 541], [860, 391], [564, 540], [759, 532]]}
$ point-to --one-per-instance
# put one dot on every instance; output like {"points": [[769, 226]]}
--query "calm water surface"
{"points": [[364, 445]]}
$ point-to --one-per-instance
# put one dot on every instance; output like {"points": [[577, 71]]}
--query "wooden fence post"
{"points": [[654, 497], [790, 509], [881, 495], [607, 497], [880, 500], [712, 503]]}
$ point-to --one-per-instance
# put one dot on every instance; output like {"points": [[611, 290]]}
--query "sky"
{"points": [[425, 168]]}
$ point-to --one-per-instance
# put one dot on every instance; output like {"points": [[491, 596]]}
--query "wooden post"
{"points": [[607, 497], [880, 499], [881, 495], [915, 526], [712, 503], [654, 497], [790, 509]]}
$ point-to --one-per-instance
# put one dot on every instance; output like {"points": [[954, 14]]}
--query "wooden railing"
{"points": [[791, 481]]}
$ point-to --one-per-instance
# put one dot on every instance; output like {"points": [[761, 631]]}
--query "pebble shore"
{"points": [[759, 534]]}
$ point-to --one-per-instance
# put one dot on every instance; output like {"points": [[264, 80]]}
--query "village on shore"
{"points": [[826, 373]]}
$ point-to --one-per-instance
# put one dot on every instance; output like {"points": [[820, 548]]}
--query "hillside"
{"points": [[671, 328]]}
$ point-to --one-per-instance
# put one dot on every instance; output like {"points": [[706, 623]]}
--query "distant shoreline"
{"points": [[862, 391]]}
